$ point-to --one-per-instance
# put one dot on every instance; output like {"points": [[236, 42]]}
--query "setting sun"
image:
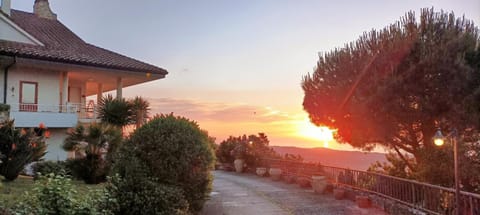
{"points": [[311, 131]]}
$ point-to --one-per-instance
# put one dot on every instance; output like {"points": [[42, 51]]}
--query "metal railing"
{"points": [[421, 196]]}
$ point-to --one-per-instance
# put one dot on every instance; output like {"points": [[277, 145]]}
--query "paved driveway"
{"points": [[237, 194]]}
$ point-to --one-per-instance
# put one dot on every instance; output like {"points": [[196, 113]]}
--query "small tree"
{"points": [[19, 147], [225, 149]]}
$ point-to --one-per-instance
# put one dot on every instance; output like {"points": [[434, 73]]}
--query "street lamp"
{"points": [[438, 140]]}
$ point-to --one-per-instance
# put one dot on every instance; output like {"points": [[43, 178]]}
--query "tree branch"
{"points": [[403, 158]]}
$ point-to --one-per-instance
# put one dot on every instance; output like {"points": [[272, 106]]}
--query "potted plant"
{"points": [[275, 173], [261, 165], [239, 152], [319, 183], [319, 180]]}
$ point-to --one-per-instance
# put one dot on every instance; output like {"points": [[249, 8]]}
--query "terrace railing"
{"points": [[421, 196]]}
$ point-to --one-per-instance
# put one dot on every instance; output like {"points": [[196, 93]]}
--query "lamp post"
{"points": [[438, 139]]}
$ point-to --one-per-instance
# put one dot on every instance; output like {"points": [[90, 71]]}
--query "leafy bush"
{"points": [[47, 167], [19, 147], [178, 153], [55, 195], [252, 148], [135, 191]]}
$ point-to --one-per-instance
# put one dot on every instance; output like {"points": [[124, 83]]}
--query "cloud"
{"points": [[221, 112]]}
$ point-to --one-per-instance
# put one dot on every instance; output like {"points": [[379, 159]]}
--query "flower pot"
{"points": [[319, 183], [289, 179], [303, 182], [239, 165], [261, 171], [363, 201], [338, 193], [275, 173]]}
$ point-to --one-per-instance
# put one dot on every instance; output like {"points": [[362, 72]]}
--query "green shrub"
{"points": [[178, 153], [55, 195], [47, 167], [171, 153], [135, 191]]}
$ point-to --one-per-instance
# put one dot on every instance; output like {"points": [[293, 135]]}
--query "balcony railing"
{"points": [[27, 115], [421, 196], [54, 116], [45, 108]]}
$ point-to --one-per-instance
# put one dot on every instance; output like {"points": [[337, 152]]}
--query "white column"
{"points": [[99, 92], [83, 99], [65, 88], [119, 87]]}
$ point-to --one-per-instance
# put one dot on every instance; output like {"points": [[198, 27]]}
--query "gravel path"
{"points": [[237, 194]]}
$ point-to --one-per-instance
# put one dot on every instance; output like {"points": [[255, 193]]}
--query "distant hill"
{"points": [[329, 157]]}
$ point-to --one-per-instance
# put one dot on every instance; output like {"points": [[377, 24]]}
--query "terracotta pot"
{"points": [[261, 171], [289, 179], [303, 182], [338, 193], [319, 183], [275, 173], [363, 201], [239, 165]]}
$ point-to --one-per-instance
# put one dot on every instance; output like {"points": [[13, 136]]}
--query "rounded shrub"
{"points": [[133, 190], [178, 153]]}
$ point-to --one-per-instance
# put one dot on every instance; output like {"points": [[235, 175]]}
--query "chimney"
{"points": [[6, 4], [41, 8]]}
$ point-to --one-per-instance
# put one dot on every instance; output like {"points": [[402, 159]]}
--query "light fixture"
{"points": [[438, 138]]}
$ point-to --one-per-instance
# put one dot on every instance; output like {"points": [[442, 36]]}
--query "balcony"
{"points": [[53, 116]]}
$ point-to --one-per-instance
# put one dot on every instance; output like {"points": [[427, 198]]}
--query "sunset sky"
{"points": [[235, 67]]}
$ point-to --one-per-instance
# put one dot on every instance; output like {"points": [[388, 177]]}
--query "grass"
{"points": [[13, 192]]}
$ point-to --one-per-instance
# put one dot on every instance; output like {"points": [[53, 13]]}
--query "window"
{"points": [[28, 96]]}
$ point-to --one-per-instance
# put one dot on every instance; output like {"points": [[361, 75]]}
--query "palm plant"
{"points": [[139, 109], [115, 111], [96, 143]]}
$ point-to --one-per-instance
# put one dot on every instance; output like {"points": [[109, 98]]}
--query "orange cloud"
{"points": [[224, 119]]}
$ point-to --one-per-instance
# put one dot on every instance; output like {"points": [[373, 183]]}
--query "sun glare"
{"points": [[323, 134]]}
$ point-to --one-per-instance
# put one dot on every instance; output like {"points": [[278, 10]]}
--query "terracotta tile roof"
{"points": [[62, 45]]}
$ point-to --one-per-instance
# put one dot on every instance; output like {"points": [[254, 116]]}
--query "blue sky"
{"points": [[234, 57]]}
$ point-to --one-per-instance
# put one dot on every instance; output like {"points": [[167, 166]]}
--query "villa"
{"points": [[47, 73]]}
